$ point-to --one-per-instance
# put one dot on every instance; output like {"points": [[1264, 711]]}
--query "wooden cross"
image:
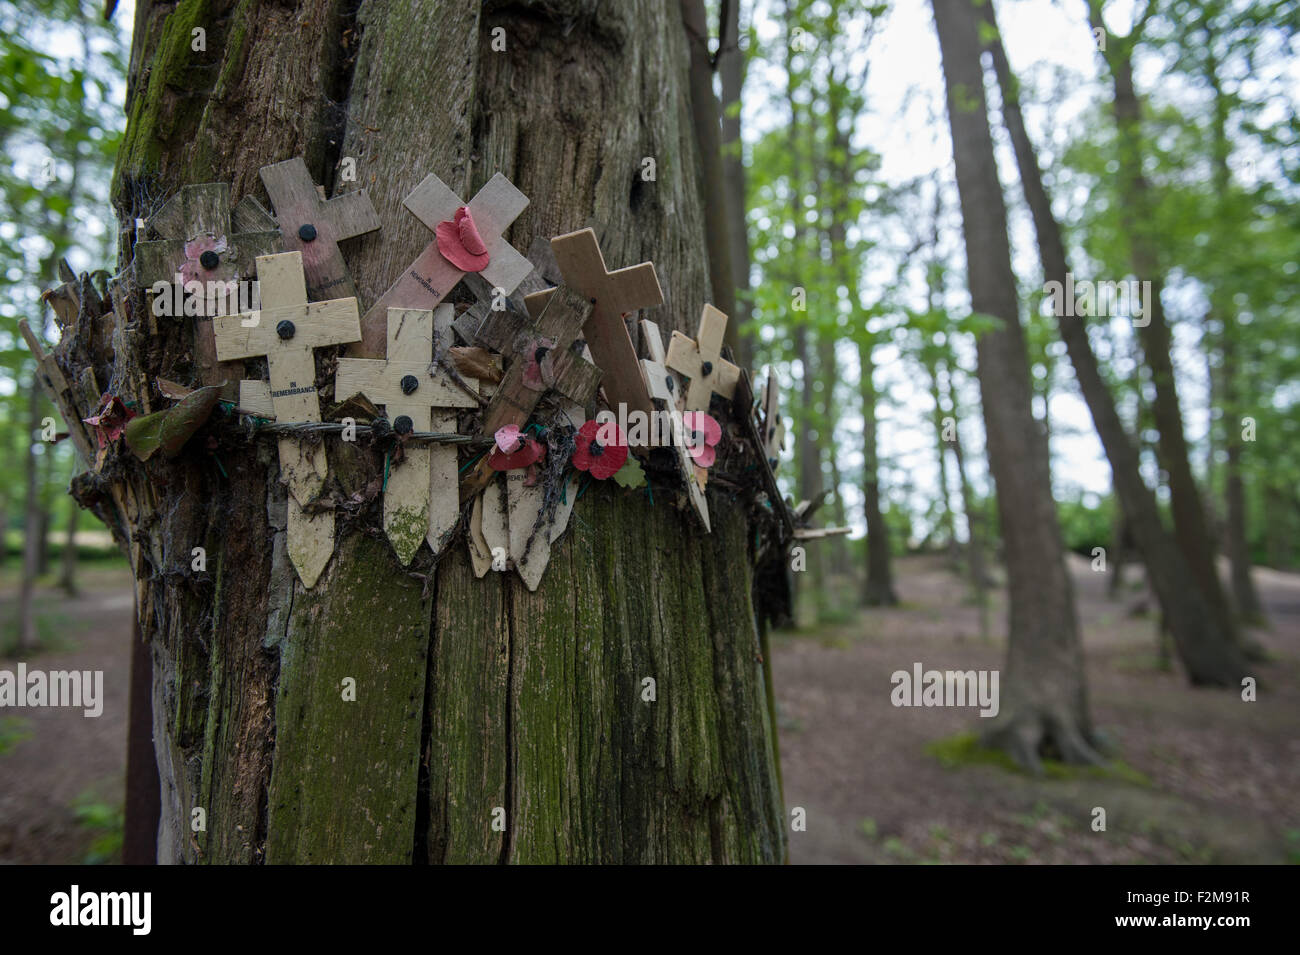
{"points": [[664, 387], [430, 278], [420, 500], [315, 226], [701, 361], [202, 241], [773, 430], [287, 330], [542, 359], [613, 294]]}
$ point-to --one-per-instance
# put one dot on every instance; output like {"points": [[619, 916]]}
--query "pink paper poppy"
{"points": [[514, 450], [702, 434], [460, 243], [192, 269], [110, 419], [601, 449]]}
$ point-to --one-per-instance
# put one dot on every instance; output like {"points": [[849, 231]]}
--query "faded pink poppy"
{"points": [[192, 269]]}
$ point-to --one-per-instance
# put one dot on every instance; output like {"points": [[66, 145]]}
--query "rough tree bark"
{"points": [[731, 72], [1206, 651], [1044, 700], [471, 694]]}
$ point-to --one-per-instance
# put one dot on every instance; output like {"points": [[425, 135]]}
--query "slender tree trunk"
{"points": [[879, 591], [1044, 699], [976, 562], [731, 71], [1188, 507], [68, 563], [32, 526], [1244, 595], [946, 519], [477, 702], [1206, 651]]}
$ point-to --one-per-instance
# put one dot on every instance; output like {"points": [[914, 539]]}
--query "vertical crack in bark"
{"points": [[336, 87], [508, 608], [264, 799], [424, 786]]}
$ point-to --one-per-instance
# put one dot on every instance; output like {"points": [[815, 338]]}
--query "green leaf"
{"points": [[630, 474], [169, 430]]}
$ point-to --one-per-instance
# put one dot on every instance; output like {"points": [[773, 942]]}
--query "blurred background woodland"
{"points": [[1152, 144]]}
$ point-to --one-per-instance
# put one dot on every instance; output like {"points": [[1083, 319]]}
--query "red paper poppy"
{"points": [[706, 433], [601, 449], [460, 243], [528, 452]]}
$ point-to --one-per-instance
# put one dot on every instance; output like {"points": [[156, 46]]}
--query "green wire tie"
{"points": [[220, 468], [387, 457], [582, 490], [469, 463]]}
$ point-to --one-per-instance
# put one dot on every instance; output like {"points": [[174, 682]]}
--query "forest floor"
{"points": [[1200, 776], [1203, 776]]}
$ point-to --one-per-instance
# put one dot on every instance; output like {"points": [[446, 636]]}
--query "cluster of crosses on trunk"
{"points": [[572, 341]]}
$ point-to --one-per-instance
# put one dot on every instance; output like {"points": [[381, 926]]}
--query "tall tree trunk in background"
{"points": [[473, 696], [1206, 651], [1188, 507], [68, 563], [710, 179], [946, 519], [731, 71], [1044, 699], [976, 530], [27, 635], [1244, 595], [45, 509], [879, 590]]}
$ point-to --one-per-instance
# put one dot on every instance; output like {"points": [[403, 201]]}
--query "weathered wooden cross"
{"points": [[431, 277], [701, 361], [612, 294], [541, 359], [315, 226], [202, 241], [287, 330], [664, 387], [773, 425], [420, 500]]}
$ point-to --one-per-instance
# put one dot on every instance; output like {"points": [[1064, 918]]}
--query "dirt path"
{"points": [[1222, 775], [56, 759]]}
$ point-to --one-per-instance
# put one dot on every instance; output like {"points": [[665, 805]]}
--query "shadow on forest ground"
{"points": [[1202, 776]]}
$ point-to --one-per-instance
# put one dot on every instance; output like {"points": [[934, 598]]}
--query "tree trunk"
{"points": [[1206, 651], [731, 71], [1044, 708], [976, 562], [476, 700], [68, 565], [32, 526], [1188, 508], [879, 591]]}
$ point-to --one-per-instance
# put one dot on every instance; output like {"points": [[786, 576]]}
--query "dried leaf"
{"points": [[631, 474], [476, 363]]}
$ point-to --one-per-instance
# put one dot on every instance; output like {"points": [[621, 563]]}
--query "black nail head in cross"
{"points": [[285, 330], [307, 232], [706, 369], [209, 260], [409, 384], [403, 424]]}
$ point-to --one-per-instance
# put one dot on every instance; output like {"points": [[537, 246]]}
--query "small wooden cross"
{"points": [[701, 361], [541, 359], [430, 278], [420, 501], [201, 243], [773, 426], [315, 226], [665, 387], [613, 294], [287, 330]]}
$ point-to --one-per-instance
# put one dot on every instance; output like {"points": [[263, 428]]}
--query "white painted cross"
{"points": [[430, 278], [701, 361], [421, 501], [287, 330]]}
